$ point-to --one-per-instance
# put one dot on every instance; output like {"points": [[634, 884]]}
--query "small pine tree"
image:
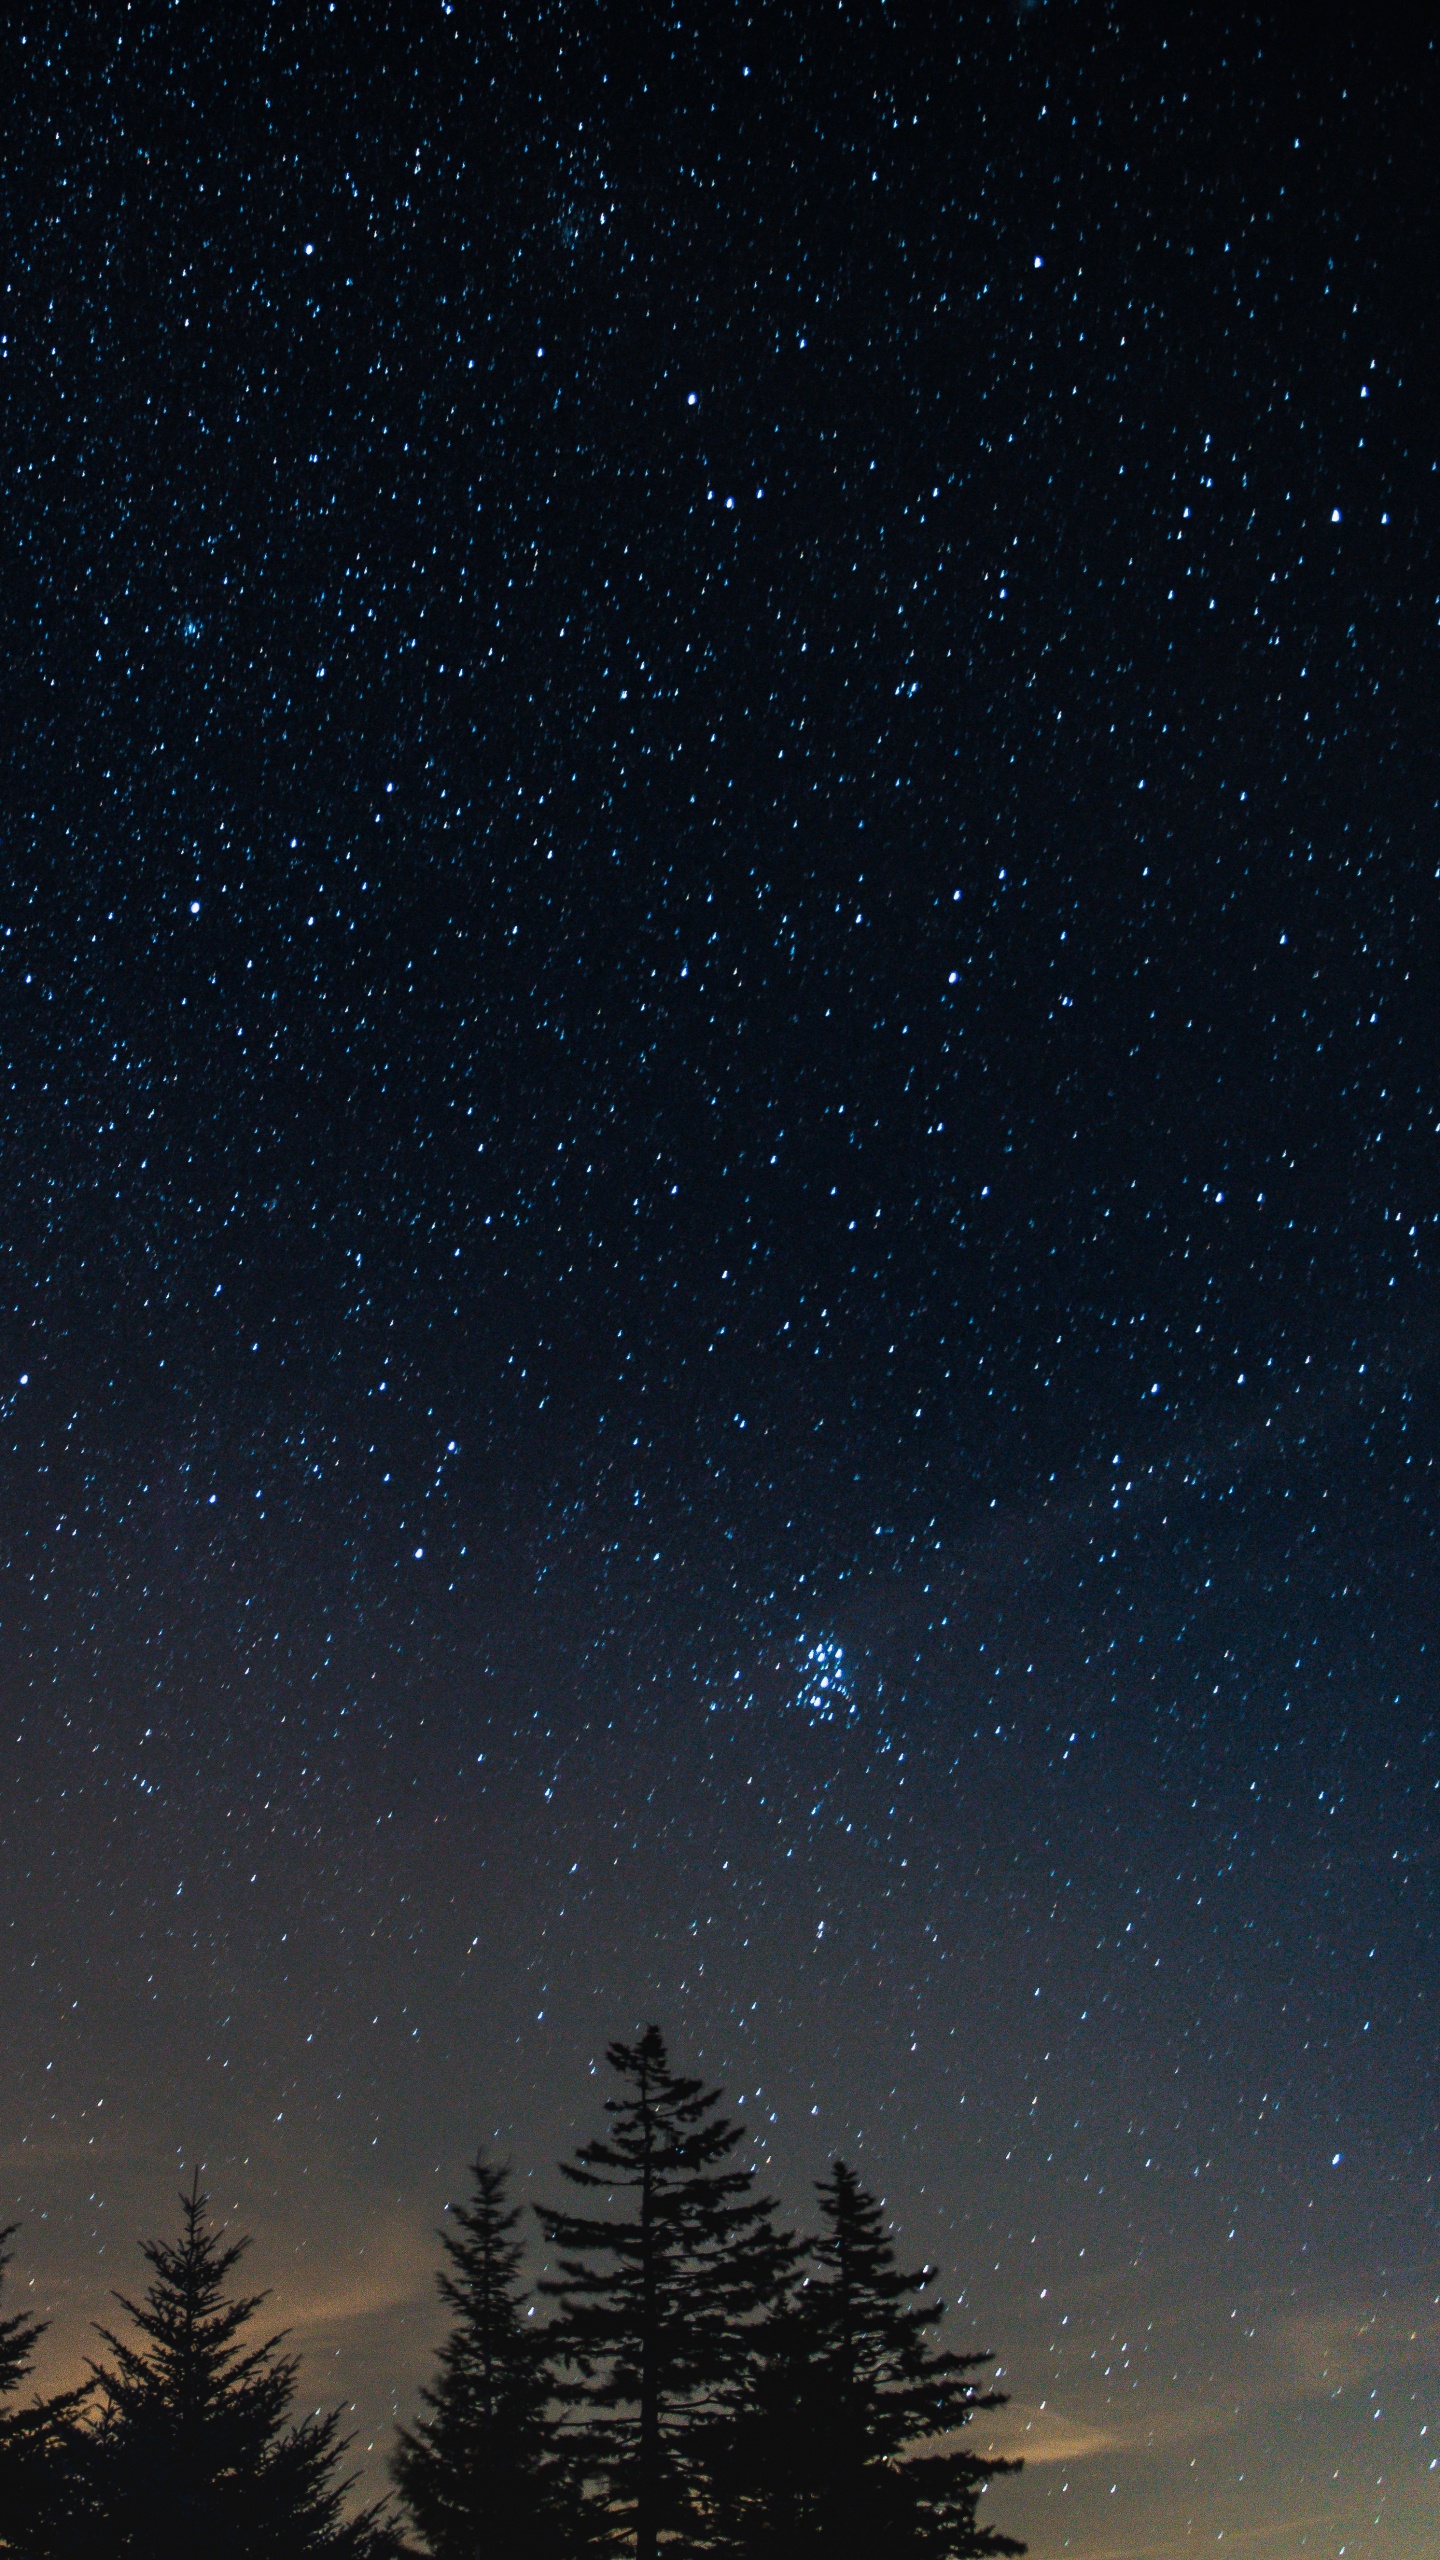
{"points": [[479, 2474], [194, 2451], [654, 2303], [872, 2393]]}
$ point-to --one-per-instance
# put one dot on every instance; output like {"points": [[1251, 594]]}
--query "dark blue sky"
{"points": [[718, 1268]]}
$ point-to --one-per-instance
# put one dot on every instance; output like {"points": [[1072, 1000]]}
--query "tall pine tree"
{"points": [[479, 2473], [194, 2454], [868, 2460], [655, 2299]]}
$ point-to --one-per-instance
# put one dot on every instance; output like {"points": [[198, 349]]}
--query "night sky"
{"points": [[719, 1142]]}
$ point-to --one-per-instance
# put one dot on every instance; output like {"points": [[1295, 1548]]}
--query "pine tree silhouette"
{"points": [[194, 2454], [23, 2435], [761, 2484], [654, 2303], [39, 2484], [871, 2392], [480, 2474]]}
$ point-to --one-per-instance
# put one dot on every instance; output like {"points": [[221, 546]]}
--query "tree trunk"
{"points": [[647, 2499]]}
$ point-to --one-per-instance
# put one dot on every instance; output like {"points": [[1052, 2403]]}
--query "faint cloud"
{"points": [[1039, 2432], [1338, 2345], [396, 2270]]}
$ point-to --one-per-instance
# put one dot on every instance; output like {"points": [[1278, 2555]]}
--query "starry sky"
{"points": [[719, 1240]]}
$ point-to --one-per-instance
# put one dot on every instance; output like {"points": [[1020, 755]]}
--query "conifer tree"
{"points": [[480, 2474], [23, 2432], [194, 2454], [861, 2392], [41, 2490], [655, 2300], [762, 2479]]}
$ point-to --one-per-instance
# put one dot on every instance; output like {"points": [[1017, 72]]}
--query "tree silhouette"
{"points": [[869, 2392], [193, 2454], [762, 2477], [22, 2434], [654, 2302], [480, 2474], [39, 2486]]}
